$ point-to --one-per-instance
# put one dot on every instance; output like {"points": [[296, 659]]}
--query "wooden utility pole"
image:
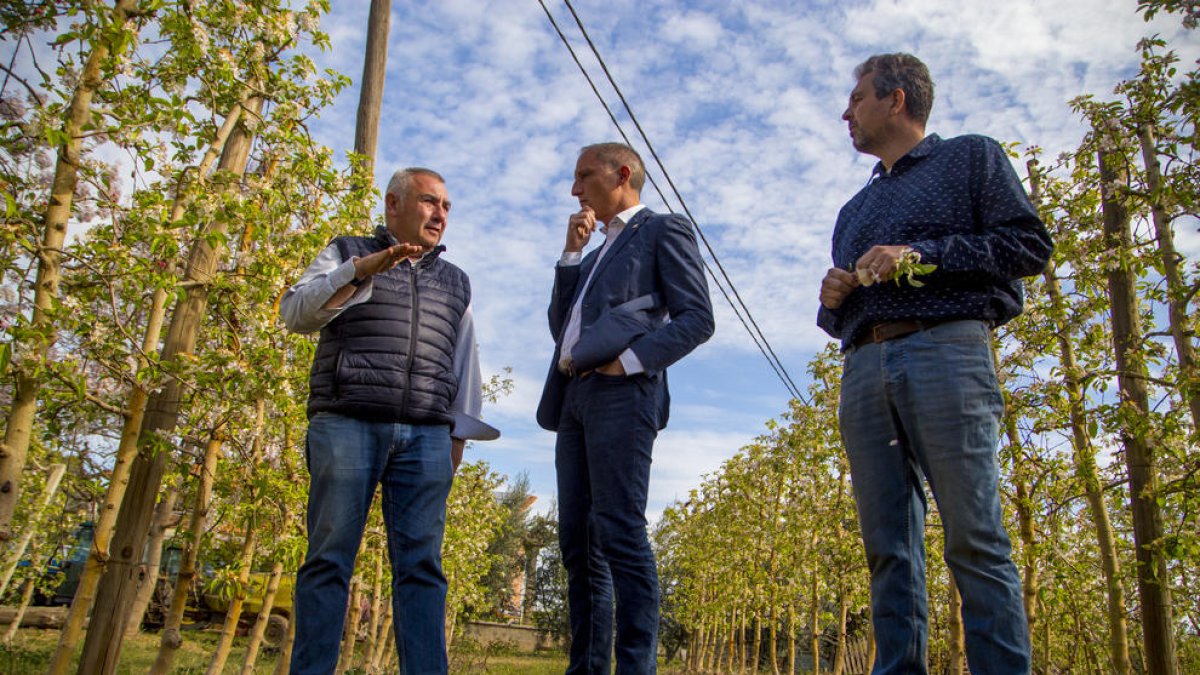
{"points": [[370, 97]]}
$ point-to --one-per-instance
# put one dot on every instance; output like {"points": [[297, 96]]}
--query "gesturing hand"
{"points": [[579, 229], [382, 261]]}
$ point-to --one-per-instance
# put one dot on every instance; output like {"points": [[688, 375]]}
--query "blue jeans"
{"points": [[347, 458], [602, 456], [929, 404]]}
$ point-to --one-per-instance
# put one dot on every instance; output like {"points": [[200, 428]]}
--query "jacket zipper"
{"points": [[412, 339]]}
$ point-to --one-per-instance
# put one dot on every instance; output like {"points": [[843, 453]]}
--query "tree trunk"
{"points": [[706, 645], [956, 640], [377, 602], [773, 641], [1026, 530], [34, 525], [26, 598], [756, 652], [1153, 585], [370, 96], [249, 544], [172, 639], [23, 409], [164, 519], [742, 641], [97, 560], [814, 619], [217, 665], [386, 640], [264, 615], [100, 654], [1045, 637], [695, 645], [1182, 330], [127, 449], [839, 659], [1085, 465], [350, 634], [19, 428], [792, 630], [1088, 473], [1026, 522], [284, 664], [379, 641], [727, 657]]}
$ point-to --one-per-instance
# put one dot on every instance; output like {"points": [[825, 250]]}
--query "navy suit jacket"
{"points": [[648, 294]]}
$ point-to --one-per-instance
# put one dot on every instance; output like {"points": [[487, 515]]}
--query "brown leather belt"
{"points": [[570, 372], [890, 330]]}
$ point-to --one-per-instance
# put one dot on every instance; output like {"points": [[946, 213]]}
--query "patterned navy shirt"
{"points": [[958, 203]]}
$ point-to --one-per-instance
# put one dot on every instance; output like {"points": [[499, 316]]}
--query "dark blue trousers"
{"points": [[603, 453]]}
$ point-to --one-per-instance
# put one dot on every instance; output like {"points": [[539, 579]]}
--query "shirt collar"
{"points": [[617, 223], [920, 151]]}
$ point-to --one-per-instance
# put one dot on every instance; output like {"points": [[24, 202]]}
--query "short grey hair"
{"points": [[905, 72], [401, 181], [616, 155]]}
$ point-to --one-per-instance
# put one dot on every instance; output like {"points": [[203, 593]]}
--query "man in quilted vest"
{"points": [[395, 393]]}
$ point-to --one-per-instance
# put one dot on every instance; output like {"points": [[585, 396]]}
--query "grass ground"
{"points": [[30, 652]]}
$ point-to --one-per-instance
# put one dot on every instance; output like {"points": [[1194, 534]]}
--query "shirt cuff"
{"points": [[342, 275], [467, 428], [931, 251], [570, 258], [631, 363]]}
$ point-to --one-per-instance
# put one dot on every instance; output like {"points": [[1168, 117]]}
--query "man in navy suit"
{"points": [[619, 316]]}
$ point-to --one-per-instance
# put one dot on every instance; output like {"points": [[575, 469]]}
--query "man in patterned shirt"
{"points": [[919, 389]]}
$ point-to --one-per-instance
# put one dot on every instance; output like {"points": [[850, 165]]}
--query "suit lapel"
{"points": [[629, 232]]}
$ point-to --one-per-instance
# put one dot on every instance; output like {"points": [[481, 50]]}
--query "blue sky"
{"points": [[742, 101]]}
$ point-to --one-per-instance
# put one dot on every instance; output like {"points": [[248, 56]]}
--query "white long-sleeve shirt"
{"points": [[629, 361], [303, 311]]}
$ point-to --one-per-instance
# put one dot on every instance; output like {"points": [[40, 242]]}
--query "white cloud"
{"points": [[693, 30], [682, 456]]}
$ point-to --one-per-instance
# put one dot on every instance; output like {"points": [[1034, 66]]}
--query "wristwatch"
{"points": [[356, 282]]}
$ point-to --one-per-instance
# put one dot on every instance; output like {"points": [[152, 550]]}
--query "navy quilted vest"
{"points": [[391, 359]]}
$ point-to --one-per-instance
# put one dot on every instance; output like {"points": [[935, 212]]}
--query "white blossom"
{"points": [[202, 40]]}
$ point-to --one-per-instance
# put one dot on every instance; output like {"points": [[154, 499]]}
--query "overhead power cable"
{"points": [[739, 306]]}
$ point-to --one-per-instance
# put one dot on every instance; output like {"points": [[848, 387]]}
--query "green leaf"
{"points": [[5, 355]]}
